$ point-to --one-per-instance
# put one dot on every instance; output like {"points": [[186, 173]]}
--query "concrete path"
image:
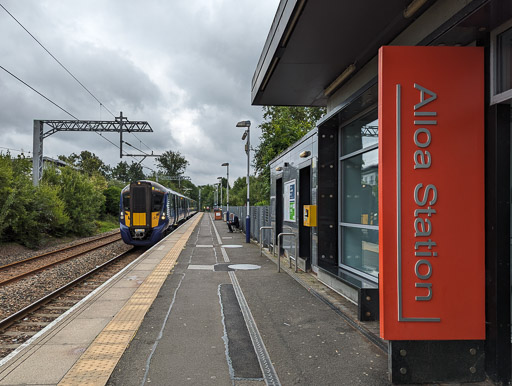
{"points": [[224, 316]]}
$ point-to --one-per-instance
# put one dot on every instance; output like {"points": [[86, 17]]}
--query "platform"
{"points": [[203, 307]]}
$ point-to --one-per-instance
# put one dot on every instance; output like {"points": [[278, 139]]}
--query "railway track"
{"points": [[22, 325], [20, 269]]}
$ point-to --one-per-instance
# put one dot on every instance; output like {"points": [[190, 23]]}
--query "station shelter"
{"points": [[400, 199]]}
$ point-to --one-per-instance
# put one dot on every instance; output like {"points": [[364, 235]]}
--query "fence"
{"points": [[260, 216]]}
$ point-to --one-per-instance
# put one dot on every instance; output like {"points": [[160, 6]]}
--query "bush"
{"points": [[82, 196], [50, 210], [27, 212], [112, 197]]}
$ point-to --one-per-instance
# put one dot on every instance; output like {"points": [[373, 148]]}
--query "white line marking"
{"points": [[201, 267]]}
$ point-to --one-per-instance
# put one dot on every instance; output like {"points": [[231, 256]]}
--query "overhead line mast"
{"points": [[120, 124]]}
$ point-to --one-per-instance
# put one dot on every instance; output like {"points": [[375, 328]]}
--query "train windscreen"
{"points": [[139, 199], [158, 200], [126, 201]]}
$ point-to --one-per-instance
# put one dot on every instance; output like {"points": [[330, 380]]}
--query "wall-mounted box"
{"points": [[309, 215]]}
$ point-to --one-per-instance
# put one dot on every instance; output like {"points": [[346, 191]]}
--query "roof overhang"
{"points": [[311, 44]]}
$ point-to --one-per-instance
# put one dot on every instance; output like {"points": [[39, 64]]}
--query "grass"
{"points": [[107, 224]]}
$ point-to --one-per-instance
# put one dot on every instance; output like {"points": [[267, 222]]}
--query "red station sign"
{"points": [[431, 193]]}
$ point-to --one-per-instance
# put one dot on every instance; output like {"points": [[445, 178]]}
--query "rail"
{"points": [[9, 320], [261, 239], [279, 250]]}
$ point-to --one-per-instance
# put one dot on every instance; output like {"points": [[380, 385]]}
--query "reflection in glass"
{"points": [[360, 249], [359, 186], [504, 53], [360, 134]]}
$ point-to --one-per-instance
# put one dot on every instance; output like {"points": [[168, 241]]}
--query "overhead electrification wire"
{"points": [[33, 89], [18, 150], [140, 140], [49, 53], [142, 151], [108, 140], [74, 77], [55, 104]]}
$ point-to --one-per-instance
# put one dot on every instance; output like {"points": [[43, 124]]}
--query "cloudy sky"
{"points": [[185, 66]]}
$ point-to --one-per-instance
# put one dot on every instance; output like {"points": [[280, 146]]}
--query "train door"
{"points": [[174, 215], [304, 199], [279, 211]]}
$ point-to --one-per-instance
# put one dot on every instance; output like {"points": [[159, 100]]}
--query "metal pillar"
{"points": [[37, 152]]}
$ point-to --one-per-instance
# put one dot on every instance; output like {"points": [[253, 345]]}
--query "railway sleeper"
{"points": [[22, 335], [56, 308], [30, 324], [10, 347]]}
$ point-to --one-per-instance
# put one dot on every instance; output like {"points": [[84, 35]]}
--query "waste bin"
{"points": [[218, 215]]}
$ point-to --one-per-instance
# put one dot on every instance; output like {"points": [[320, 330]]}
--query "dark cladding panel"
{"points": [[328, 196]]}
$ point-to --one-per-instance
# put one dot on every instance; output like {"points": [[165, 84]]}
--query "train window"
{"points": [[158, 200], [126, 201], [139, 199]]}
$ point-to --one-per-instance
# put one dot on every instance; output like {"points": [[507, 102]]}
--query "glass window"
{"points": [[360, 134], [358, 192], [360, 249], [158, 199], [504, 61], [359, 175], [126, 201]]}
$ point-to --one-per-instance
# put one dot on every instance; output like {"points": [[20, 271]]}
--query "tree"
{"points": [[112, 197], [27, 212], [172, 163], [82, 195], [258, 191], [88, 162], [282, 127], [128, 173]]}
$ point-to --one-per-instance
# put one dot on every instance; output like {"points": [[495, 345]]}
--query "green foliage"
{"points": [[107, 224], [50, 210], [82, 196], [207, 196], [27, 212], [282, 127], [172, 163], [112, 197], [128, 173], [88, 162], [16, 222], [258, 191]]}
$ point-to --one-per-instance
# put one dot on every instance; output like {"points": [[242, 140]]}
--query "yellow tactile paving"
{"points": [[99, 360]]}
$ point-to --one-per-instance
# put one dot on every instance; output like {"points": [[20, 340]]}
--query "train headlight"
{"points": [[163, 216], [121, 216]]}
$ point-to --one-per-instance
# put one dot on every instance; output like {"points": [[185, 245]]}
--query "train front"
{"points": [[143, 219]]}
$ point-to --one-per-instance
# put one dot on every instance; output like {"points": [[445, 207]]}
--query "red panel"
{"points": [[431, 193]]}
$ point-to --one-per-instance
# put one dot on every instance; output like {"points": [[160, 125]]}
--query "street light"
{"points": [[220, 182], [247, 134], [227, 191], [215, 204]]}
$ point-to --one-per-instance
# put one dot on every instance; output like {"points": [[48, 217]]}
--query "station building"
{"points": [[410, 87]]}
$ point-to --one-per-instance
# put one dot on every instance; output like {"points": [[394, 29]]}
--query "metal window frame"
{"points": [[341, 224], [505, 95]]}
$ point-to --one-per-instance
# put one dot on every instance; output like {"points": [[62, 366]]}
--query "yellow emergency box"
{"points": [[309, 215]]}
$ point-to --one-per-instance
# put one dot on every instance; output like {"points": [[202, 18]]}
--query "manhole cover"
{"points": [[244, 266]]}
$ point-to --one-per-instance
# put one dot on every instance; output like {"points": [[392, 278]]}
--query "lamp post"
{"points": [[215, 204], [220, 183], [227, 191], [247, 135]]}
